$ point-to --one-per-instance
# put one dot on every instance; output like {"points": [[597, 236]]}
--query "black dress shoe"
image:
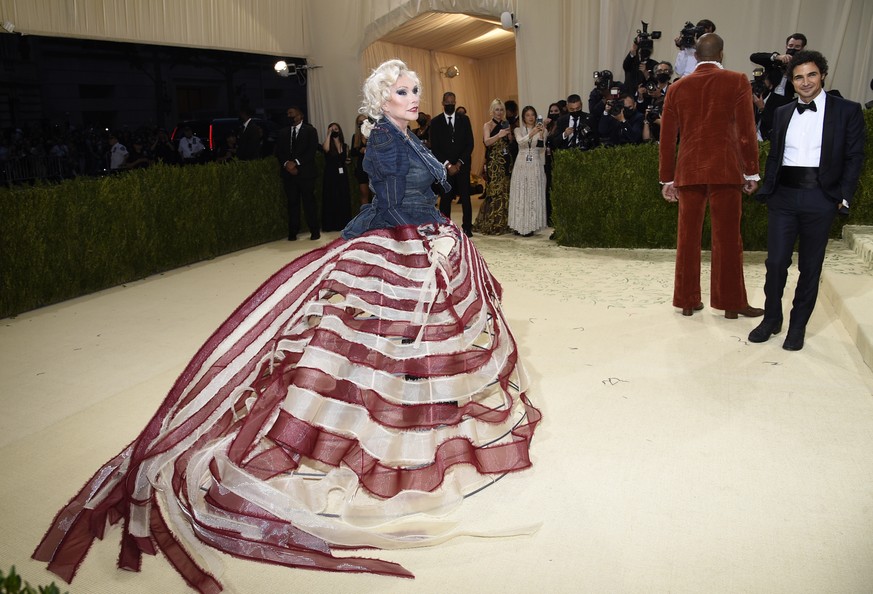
{"points": [[687, 311], [794, 339], [748, 311], [765, 330], [316, 235], [468, 233], [292, 238]]}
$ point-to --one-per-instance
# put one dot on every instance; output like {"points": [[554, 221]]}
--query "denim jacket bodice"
{"points": [[401, 172]]}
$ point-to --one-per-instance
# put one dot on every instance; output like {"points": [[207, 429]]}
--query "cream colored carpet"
{"points": [[673, 455]]}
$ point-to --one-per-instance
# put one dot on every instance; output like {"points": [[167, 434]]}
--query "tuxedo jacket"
{"points": [[710, 114], [249, 146], [303, 151], [842, 148], [452, 146]]}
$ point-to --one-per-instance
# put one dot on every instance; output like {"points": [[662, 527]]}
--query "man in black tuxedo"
{"points": [[295, 152], [777, 64], [766, 102], [574, 129], [816, 155], [451, 141], [249, 145]]}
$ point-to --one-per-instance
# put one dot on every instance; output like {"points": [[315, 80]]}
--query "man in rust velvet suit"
{"points": [[709, 114]]}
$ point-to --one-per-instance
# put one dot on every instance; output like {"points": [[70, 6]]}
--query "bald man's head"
{"points": [[710, 48]]}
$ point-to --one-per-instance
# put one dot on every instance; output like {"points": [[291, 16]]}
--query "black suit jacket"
{"points": [[449, 146], [842, 149], [249, 146], [586, 141], [305, 146]]}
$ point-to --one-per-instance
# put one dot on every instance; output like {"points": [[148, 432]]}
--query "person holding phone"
{"points": [[493, 217], [527, 187]]}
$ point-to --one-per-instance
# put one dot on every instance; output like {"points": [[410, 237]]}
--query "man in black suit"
{"points": [[766, 102], [574, 130], [249, 144], [816, 155], [451, 141], [295, 152], [777, 64]]}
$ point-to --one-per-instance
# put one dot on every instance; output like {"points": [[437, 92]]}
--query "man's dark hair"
{"points": [[799, 36], [807, 56], [706, 24], [448, 94], [669, 65], [511, 106], [574, 98]]}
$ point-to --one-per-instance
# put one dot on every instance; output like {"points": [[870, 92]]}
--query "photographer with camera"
{"points": [[621, 122], [638, 63], [603, 81], [766, 101], [776, 63], [655, 88], [574, 130], [687, 39]]}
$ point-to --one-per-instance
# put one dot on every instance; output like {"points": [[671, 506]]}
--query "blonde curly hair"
{"points": [[377, 90]]}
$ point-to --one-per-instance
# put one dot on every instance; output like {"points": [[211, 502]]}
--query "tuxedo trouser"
{"points": [[796, 214], [727, 285], [300, 190], [460, 187]]}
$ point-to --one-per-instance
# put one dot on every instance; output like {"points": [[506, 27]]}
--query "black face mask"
{"points": [[421, 122], [449, 109], [576, 114], [662, 77]]}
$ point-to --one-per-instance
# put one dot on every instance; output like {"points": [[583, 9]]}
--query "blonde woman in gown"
{"points": [[527, 189], [493, 214]]}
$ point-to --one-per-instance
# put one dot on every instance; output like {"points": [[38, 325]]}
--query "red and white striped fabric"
{"points": [[352, 401]]}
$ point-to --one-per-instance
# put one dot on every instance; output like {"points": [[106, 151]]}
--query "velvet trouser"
{"points": [[727, 288]]}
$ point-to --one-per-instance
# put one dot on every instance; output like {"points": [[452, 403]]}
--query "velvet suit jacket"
{"points": [[842, 149], [710, 114]]}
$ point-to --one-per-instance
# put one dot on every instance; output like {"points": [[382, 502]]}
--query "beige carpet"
{"points": [[673, 455]]}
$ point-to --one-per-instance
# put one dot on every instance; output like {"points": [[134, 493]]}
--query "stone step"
{"points": [[850, 287]]}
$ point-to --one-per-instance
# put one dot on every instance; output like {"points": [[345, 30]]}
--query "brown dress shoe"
{"points": [[748, 311], [687, 311]]}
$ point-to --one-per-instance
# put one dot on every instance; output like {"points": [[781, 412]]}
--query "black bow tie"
{"points": [[801, 107]]}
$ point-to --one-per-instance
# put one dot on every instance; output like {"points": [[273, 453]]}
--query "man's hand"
{"points": [[758, 101], [291, 167], [453, 169], [669, 192], [749, 187]]}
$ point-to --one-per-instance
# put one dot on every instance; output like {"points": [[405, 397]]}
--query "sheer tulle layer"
{"points": [[352, 401]]}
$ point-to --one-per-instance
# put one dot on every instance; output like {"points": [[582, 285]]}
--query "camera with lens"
{"points": [[651, 85], [653, 114], [614, 107], [644, 41], [689, 34], [757, 81], [602, 79]]}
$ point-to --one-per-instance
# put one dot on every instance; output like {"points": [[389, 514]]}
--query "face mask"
{"points": [[449, 109], [576, 114], [662, 77], [421, 122]]}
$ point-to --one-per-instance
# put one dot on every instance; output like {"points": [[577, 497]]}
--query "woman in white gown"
{"points": [[527, 190]]}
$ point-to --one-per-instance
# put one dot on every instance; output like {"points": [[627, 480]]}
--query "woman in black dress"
{"points": [[359, 148], [336, 209]]}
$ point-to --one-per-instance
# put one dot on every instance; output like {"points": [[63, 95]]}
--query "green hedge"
{"points": [[610, 197], [59, 241]]}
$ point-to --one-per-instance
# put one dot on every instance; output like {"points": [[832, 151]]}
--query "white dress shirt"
{"points": [[803, 138]]}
